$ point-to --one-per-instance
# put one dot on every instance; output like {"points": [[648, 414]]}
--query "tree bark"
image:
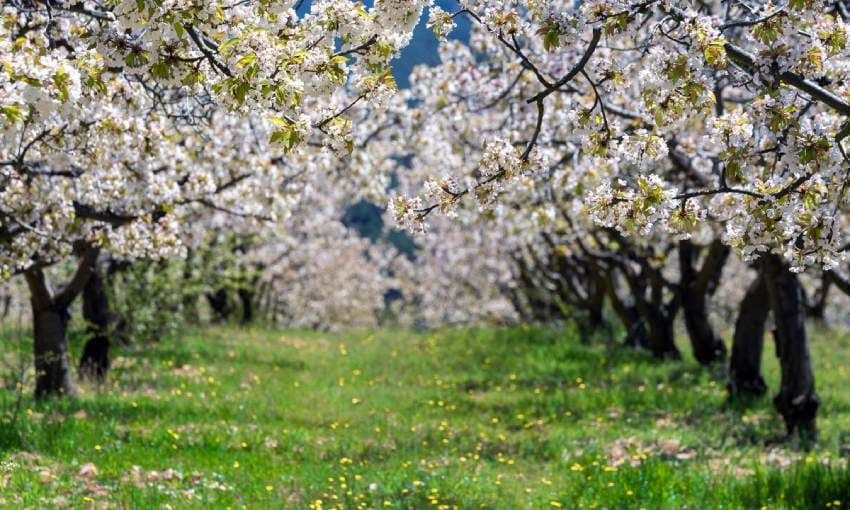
{"points": [[119, 327], [246, 297], [539, 303], [190, 297], [595, 303], [511, 293], [708, 348], [797, 400], [50, 341], [50, 313], [220, 305], [579, 287], [628, 314], [748, 342], [636, 335], [94, 362], [7, 303], [658, 315], [661, 339]]}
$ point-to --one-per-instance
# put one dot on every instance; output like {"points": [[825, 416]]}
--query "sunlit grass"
{"points": [[521, 418]]}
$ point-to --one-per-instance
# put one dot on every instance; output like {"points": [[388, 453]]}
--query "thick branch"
{"points": [[86, 265]]}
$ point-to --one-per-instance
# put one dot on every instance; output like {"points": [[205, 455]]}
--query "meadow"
{"points": [[229, 417]]}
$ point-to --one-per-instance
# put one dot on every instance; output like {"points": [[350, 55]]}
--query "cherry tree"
{"points": [[459, 275], [118, 115], [665, 115]]}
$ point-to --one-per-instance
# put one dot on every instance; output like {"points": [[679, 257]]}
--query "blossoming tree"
{"points": [[114, 115], [657, 116]]}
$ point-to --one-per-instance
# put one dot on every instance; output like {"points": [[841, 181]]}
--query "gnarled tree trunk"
{"points": [[797, 400], [190, 298], [246, 297], [694, 289], [50, 311], [50, 340], [538, 299], [661, 339], [94, 362], [7, 303], [658, 315], [220, 304], [627, 313], [747, 344], [594, 304]]}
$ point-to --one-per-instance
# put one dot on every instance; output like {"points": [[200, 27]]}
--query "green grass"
{"points": [[523, 418]]}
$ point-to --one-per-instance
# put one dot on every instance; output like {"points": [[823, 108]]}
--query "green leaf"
{"points": [[715, 53], [161, 70], [62, 81], [247, 60], [227, 46], [678, 68], [551, 36], [287, 136], [12, 112]]}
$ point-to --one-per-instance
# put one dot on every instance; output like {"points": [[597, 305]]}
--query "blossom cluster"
{"points": [[647, 117]]}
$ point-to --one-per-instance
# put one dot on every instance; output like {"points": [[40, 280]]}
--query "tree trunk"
{"points": [[50, 340], [636, 335], [94, 362], [190, 297], [595, 303], [220, 305], [511, 293], [540, 306], [628, 314], [797, 400], [658, 315], [119, 327], [246, 297], [661, 339], [7, 303], [50, 323], [637, 338], [748, 342], [707, 346]]}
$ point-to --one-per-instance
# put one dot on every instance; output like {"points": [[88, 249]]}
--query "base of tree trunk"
{"points": [[797, 400], [636, 340], [220, 305], [746, 386], [799, 414], [661, 339], [50, 342], [707, 347], [246, 297], [715, 353], [94, 363], [50, 316], [667, 354], [748, 343], [695, 288]]}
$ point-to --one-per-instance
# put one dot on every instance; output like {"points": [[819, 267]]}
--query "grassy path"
{"points": [[469, 419]]}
